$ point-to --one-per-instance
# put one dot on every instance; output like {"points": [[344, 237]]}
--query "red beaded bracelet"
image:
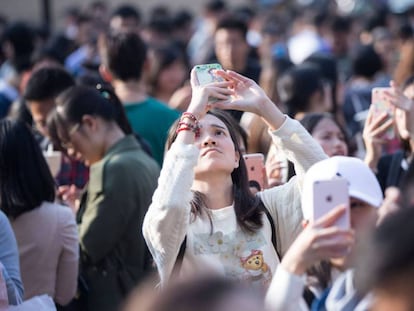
{"points": [[190, 116], [183, 126]]}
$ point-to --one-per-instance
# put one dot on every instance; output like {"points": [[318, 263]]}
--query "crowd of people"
{"points": [[123, 180]]}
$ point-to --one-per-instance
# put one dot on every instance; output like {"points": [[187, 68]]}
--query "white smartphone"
{"points": [[255, 168], [328, 194]]}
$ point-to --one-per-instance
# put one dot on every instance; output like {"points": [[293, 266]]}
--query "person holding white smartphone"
{"points": [[203, 208], [325, 243]]}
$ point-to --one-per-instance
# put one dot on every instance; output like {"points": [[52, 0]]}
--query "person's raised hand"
{"points": [[320, 240], [404, 111], [249, 96], [373, 136], [205, 97]]}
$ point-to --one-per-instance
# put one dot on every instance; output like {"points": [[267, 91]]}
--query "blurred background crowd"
{"points": [[129, 64]]}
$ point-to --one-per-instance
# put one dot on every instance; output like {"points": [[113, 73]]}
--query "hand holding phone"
{"points": [[379, 105], [255, 168], [205, 73]]}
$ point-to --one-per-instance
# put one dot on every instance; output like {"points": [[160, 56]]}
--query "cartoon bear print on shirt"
{"points": [[257, 271]]}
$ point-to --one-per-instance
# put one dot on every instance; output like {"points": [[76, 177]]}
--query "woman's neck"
{"points": [[218, 192], [113, 135], [163, 96]]}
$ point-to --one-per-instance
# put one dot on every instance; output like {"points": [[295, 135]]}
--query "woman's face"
{"points": [[217, 150], [172, 76], [363, 218], [83, 145], [330, 137]]}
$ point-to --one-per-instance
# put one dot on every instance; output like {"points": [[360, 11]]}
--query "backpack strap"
{"points": [[273, 228], [180, 257], [394, 170]]}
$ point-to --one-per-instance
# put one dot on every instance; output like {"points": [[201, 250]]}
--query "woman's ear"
{"points": [[237, 159], [105, 73], [89, 121]]}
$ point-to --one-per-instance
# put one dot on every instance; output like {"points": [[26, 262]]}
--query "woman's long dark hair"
{"points": [[248, 207], [25, 178]]}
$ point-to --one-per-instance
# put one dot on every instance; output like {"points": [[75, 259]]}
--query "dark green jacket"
{"points": [[114, 256]]}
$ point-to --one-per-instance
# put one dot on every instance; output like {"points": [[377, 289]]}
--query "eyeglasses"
{"points": [[39, 125], [68, 144]]}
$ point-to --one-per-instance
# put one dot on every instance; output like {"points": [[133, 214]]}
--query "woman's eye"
{"points": [[219, 132]]}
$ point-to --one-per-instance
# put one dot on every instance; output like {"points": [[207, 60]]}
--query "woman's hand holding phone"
{"points": [[201, 94], [235, 92], [373, 135], [250, 97]]}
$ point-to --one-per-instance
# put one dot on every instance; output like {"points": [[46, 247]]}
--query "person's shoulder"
{"points": [[161, 106], [130, 162], [50, 208], [3, 218]]}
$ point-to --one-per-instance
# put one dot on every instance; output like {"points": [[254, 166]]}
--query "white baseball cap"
{"points": [[362, 182]]}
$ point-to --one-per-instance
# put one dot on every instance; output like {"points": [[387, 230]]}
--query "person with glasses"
{"points": [[123, 177], [42, 88]]}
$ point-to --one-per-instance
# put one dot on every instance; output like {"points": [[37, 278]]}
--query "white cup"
{"points": [[53, 159]]}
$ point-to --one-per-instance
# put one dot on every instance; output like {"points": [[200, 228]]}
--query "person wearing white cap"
{"points": [[322, 244]]}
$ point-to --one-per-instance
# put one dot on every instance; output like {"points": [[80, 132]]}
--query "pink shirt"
{"points": [[48, 245]]}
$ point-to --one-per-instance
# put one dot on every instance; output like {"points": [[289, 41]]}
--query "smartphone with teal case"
{"points": [[205, 73]]}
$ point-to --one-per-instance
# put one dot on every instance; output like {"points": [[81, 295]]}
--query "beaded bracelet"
{"points": [[184, 126], [190, 116]]}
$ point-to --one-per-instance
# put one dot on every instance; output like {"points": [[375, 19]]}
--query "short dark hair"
{"points": [[215, 5], [47, 83], [366, 62], [21, 37], [233, 24], [297, 85], [127, 11], [124, 54], [25, 178]]}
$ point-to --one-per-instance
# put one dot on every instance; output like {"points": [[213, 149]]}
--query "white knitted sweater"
{"points": [[226, 250]]}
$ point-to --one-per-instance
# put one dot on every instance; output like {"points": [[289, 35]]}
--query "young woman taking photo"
{"points": [[203, 212]]}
